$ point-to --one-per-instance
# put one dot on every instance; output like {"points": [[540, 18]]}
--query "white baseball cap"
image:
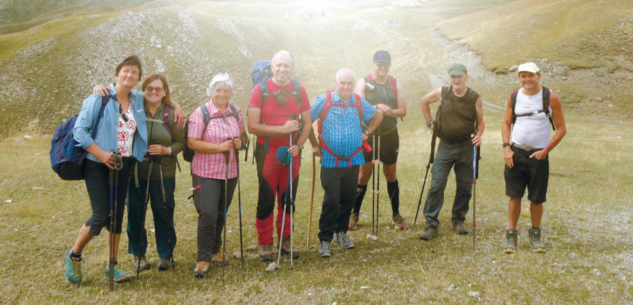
{"points": [[528, 67]]}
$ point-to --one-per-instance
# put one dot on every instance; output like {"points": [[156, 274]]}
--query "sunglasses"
{"points": [[149, 89], [383, 64]]}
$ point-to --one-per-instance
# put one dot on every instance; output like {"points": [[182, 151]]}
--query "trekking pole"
{"points": [[162, 187], [118, 165], [311, 200], [227, 155], [283, 223], [143, 231], [292, 201], [378, 187], [422, 192], [373, 182], [475, 176], [239, 200], [111, 241]]}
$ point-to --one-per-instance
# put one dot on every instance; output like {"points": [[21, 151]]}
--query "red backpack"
{"points": [[392, 83], [324, 112]]}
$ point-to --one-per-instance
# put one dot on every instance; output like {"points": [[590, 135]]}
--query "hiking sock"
{"points": [[360, 195], [535, 228], [75, 255], [394, 195]]}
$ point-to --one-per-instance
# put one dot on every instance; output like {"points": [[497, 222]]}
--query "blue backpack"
{"points": [[66, 157], [261, 71]]}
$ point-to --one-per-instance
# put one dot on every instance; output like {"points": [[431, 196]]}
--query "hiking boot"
{"points": [[219, 259], [73, 268], [459, 228], [324, 249], [201, 269], [511, 236], [429, 233], [143, 266], [536, 241], [165, 264], [266, 252], [285, 248], [341, 240], [399, 222], [353, 222], [120, 276]]}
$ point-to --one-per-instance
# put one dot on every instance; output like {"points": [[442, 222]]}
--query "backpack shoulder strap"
{"points": [[513, 105], [546, 98], [445, 91], [326, 106], [263, 89], [234, 113], [359, 106], [206, 116], [104, 101], [296, 91], [392, 84], [167, 111]]}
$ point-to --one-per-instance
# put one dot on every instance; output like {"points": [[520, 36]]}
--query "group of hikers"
{"points": [[132, 159]]}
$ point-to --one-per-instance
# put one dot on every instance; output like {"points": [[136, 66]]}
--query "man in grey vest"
{"points": [[460, 126], [531, 111]]}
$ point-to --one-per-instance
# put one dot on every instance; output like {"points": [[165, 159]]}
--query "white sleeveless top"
{"points": [[531, 130]]}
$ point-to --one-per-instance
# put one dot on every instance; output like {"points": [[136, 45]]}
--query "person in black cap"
{"points": [[460, 126], [387, 94]]}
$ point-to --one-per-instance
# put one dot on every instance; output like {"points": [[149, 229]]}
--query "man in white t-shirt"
{"points": [[525, 149]]}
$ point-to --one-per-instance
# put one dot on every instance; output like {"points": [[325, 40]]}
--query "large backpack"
{"points": [[329, 103], [546, 97], [187, 152], [66, 156], [261, 71]]}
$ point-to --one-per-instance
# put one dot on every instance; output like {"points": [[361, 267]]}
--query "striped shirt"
{"points": [[212, 165], [341, 130]]}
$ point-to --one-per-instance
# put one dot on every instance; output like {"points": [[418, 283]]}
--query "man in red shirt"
{"points": [[272, 105]]}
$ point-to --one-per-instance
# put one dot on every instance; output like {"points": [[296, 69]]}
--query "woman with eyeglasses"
{"points": [[387, 94], [213, 183], [155, 178]]}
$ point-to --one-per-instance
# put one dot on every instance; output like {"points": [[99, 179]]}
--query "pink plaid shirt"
{"points": [[212, 165]]}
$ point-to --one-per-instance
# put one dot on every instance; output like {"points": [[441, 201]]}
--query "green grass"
{"points": [[397, 267]]}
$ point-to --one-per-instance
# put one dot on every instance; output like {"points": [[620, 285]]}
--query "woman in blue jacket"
{"points": [[122, 129]]}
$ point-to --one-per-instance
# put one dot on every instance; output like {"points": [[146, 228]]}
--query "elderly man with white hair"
{"points": [[340, 113]]}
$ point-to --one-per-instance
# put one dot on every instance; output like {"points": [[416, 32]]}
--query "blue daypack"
{"points": [[260, 71], [66, 157]]}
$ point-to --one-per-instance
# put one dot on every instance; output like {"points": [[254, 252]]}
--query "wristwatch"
{"points": [[367, 132], [169, 151], [300, 146], [506, 144]]}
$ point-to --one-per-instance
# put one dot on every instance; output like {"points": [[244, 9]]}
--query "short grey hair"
{"points": [[339, 72], [279, 53], [221, 78]]}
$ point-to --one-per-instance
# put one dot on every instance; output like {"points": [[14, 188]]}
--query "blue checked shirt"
{"points": [[341, 130]]}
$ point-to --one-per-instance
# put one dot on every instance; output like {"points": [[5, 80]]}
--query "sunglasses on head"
{"points": [[383, 64], [157, 89]]}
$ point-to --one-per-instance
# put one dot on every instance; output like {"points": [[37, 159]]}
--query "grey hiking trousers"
{"points": [[209, 202], [449, 155]]}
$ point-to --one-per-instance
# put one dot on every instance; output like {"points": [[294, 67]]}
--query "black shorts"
{"points": [[389, 146], [527, 172]]}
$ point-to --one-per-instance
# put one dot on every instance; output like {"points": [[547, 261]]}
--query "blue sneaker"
{"points": [[73, 268], [119, 275]]}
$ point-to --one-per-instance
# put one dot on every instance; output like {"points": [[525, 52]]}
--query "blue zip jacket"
{"points": [[107, 136]]}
